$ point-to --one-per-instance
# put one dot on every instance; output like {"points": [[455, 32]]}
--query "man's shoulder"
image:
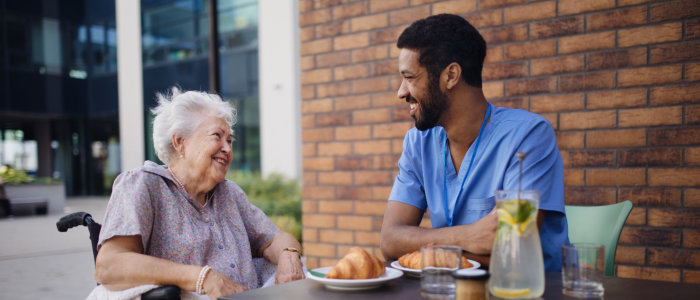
{"points": [[517, 117]]}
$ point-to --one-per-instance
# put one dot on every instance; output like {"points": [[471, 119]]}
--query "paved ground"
{"points": [[38, 262]]}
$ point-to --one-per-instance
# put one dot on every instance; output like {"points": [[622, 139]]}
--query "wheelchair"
{"points": [[167, 292]]}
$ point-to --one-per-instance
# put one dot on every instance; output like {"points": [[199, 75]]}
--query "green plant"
{"points": [[277, 196], [12, 176]]}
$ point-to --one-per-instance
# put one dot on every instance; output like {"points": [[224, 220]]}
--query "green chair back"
{"points": [[598, 224]]}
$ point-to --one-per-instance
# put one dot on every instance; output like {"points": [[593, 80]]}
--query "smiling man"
{"points": [[463, 149]]}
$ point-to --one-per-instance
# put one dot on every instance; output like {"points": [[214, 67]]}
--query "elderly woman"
{"points": [[184, 224]]}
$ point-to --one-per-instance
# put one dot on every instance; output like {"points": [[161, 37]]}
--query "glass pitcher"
{"points": [[517, 268]]}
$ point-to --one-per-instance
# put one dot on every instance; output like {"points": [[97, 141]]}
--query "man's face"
{"points": [[423, 94]]}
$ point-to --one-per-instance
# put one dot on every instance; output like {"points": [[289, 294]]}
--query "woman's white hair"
{"points": [[180, 113]]}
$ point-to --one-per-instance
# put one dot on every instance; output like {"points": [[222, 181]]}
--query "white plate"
{"points": [[354, 284], [416, 272]]}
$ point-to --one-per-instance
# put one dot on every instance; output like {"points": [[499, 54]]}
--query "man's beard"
{"points": [[431, 108]]}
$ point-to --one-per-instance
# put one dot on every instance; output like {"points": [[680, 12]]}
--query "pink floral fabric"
{"points": [[225, 233]]}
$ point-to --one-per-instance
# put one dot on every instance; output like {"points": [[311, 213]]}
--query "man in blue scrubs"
{"points": [[463, 149]]}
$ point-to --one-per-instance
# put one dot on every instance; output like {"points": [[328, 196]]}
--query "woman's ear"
{"points": [[451, 75], [178, 145]]}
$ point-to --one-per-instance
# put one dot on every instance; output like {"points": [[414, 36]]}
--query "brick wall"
{"points": [[618, 79]]}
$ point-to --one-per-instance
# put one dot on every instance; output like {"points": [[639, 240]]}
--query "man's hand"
{"points": [[482, 233], [217, 285], [289, 267]]}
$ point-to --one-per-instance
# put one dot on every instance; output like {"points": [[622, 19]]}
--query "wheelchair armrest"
{"points": [[166, 292]]}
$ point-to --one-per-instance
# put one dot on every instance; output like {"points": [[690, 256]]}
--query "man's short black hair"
{"points": [[443, 39]]}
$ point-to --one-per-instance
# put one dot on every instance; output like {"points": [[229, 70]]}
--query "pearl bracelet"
{"points": [[200, 281]]}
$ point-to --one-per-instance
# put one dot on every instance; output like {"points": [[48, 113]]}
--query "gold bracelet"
{"points": [[290, 249]]}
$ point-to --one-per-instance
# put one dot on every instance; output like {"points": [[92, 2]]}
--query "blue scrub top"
{"points": [[495, 167]]}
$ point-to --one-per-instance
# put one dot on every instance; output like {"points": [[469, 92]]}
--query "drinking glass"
{"points": [[583, 268], [438, 262]]}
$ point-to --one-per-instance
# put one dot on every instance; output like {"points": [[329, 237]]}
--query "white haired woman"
{"points": [[184, 224]]}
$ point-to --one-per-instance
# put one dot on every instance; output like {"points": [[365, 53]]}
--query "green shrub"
{"points": [[12, 176], [277, 196]]}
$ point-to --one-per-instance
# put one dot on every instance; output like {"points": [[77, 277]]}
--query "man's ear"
{"points": [[451, 75]]}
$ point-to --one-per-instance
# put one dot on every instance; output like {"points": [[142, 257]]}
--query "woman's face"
{"points": [[208, 152]]}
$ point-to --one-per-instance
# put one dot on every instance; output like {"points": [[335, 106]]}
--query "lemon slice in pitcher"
{"points": [[506, 292]]}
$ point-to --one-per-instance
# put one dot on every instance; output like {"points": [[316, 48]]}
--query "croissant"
{"points": [[357, 264], [412, 260]]}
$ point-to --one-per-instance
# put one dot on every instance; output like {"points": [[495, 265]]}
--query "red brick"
{"points": [[456, 7], [675, 94], [334, 149], [587, 120], [310, 234], [570, 139], [352, 133], [675, 10], [308, 92], [494, 55], [400, 114], [568, 7], [632, 2], [315, 76], [589, 196], [372, 147], [630, 255], [389, 35], [692, 29], [671, 137], [364, 23], [493, 89], [690, 276], [335, 207], [563, 26], [307, 33], [384, 5], [318, 164], [645, 117], [332, 59], [354, 163], [692, 156], [348, 11], [503, 71], [350, 72], [376, 84], [618, 98], [649, 75], [317, 135], [676, 52], [336, 236], [333, 89], [587, 42], [691, 198], [387, 99], [651, 157], [675, 177], [616, 138], [314, 17], [650, 34], [617, 18], [335, 119], [638, 216], [692, 114], [518, 102], [616, 177], [354, 193], [380, 193], [373, 177], [534, 11], [355, 222], [351, 41], [555, 65], [483, 19], [352, 103], [317, 249], [559, 102], [370, 116], [505, 34], [651, 237], [531, 49], [309, 206], [691, 238], [373, 208], [385, 67], [587, 81], [394, 130], [306, 62], [316, 106], [318, 220], [308, 149], [617, 59], [573, 177], [370, 53], [305, 5], [367, 238], [531, 86], [486, 4], [408, 15], [326, 3], [674, 258], [649, 273], [332, 29], [659, 197], [385, 162], [589, 158]]}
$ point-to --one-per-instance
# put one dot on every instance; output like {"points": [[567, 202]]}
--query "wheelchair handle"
{"points": [[72, 220]]}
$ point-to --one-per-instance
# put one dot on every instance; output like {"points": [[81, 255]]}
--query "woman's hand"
{"points": [[289, 267], [217, 285]]}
